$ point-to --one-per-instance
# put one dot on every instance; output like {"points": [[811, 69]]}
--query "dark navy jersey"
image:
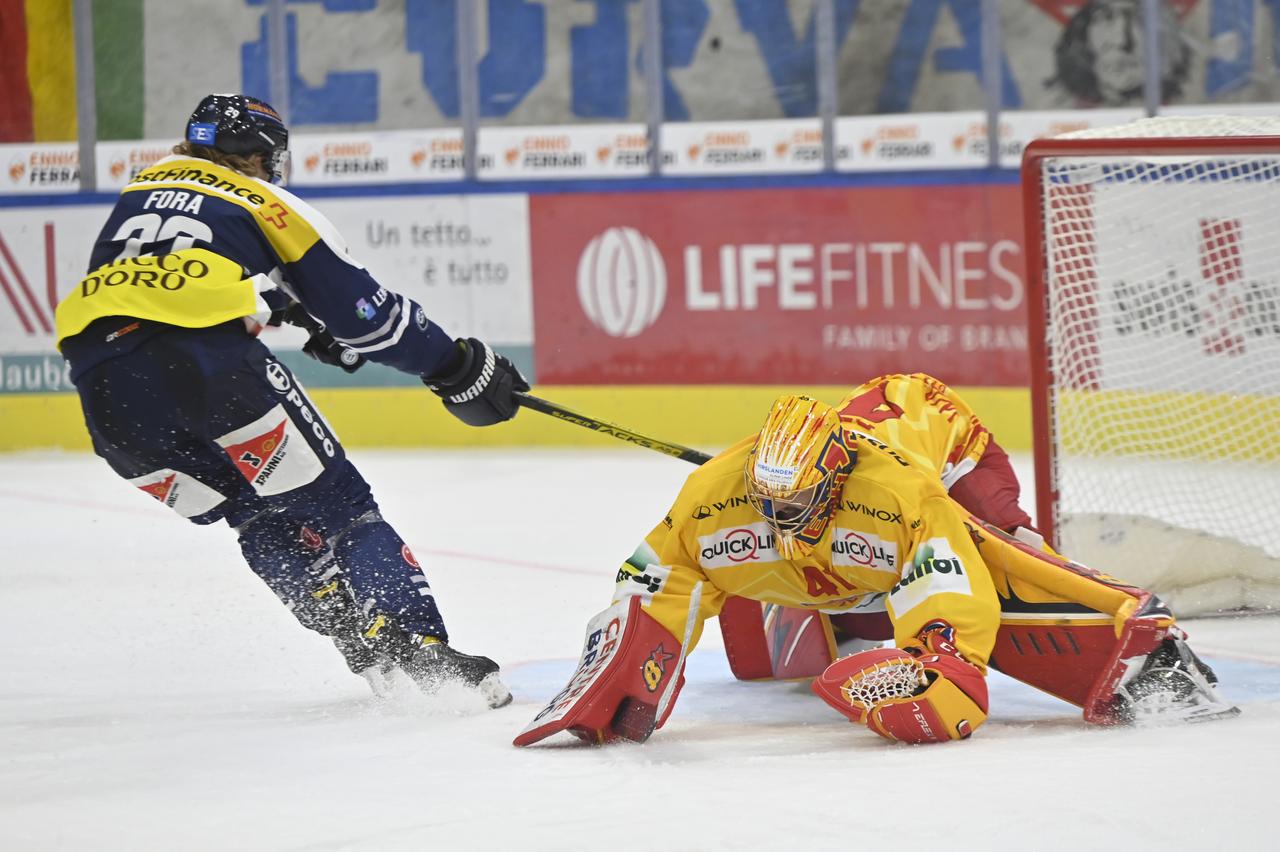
{"points": [[288, 252]]}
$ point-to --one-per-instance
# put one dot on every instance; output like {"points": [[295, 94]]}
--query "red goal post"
{"points": [[1153, 289]]}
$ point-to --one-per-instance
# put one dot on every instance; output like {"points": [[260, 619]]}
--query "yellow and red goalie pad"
{"points": [[1066, 628]]}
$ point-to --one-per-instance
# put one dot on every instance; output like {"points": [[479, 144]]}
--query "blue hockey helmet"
{"points": [[241, 125]]}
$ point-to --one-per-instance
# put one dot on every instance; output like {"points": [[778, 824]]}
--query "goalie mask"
{"points": [[796, 471], [244, 126]]}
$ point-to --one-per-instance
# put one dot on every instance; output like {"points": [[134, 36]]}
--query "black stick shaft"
{"points": [[561, 413]]}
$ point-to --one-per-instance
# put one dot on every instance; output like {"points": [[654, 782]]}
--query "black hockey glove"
{"points": [[321, 345], [479, 389]]}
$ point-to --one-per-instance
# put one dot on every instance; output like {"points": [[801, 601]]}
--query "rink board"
{"points": [[708, 417]]}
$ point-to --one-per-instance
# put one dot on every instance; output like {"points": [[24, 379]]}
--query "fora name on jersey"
{"points": [[174, 199], [737, 546]]}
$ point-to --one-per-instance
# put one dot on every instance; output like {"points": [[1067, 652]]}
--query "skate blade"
{"points": [[381, 681], [1212, 713], [494, 691], [1197, 713]]}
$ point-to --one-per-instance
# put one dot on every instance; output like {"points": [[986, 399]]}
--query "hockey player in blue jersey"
{"points": [[182, 399]]}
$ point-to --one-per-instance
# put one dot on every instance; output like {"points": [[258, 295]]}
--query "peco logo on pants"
{"points": [[278, 376], [622, 282], [279, 379]]}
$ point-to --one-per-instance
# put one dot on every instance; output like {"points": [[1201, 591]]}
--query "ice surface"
{"points": [[155, 696]]}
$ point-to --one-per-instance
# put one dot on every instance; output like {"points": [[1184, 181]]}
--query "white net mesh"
{"points": [[1184, 127], [1163, 340], [883, 681]]}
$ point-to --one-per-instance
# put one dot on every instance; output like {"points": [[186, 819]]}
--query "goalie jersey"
{"points": [[895, 531], [193, 244]]}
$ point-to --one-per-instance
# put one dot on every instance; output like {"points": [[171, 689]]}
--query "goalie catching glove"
{"points": [[479, 386], [922, 693]]}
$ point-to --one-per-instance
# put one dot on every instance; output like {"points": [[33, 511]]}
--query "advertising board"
{"points": [[759, 286]]}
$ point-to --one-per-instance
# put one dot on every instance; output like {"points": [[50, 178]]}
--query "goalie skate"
{"points": [[1171, 684]]}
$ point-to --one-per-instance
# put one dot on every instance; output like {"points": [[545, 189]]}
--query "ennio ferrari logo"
{"points": [[622, 282]]}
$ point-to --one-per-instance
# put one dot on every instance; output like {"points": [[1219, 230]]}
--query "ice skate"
{"points": [[434, 664], [377, 670], [1173, 684]]}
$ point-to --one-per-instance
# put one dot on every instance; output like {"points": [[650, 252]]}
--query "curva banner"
{"points": [[762, 286]]}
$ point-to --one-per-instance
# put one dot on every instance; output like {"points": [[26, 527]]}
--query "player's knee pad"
{"points": [[625, 685], [382, 569], [916, 699], [272, 545], [298, 565]]}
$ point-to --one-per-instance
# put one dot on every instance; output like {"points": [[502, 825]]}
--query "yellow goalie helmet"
{"points": [[796, 469]]}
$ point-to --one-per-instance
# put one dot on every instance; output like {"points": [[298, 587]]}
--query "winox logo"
{"points": [[738, 546]]}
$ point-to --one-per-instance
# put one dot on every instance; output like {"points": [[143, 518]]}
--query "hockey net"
{"points": [[1154, 291]]}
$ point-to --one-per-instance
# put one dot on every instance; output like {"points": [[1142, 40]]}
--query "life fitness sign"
{"points": [[762, 286]]}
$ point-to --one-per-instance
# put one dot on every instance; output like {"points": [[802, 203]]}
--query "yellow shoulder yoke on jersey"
{"points": [[284, 226]]}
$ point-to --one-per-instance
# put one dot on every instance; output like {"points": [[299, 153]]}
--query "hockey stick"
{"points": [[691, 621], [561, 413]]}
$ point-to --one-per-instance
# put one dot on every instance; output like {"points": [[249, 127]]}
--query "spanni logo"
{"points": [[622, 282]]}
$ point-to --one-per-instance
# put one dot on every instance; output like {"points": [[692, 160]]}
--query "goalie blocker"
{"points": [[631, 670]]}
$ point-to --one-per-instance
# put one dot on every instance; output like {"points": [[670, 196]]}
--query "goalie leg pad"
{"points": [[930, 698], [627, 663], [768, 641], [742, 626], [772, 642]]}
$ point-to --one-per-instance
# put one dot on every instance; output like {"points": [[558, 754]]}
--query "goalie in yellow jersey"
{"points": [[832, 513]]}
